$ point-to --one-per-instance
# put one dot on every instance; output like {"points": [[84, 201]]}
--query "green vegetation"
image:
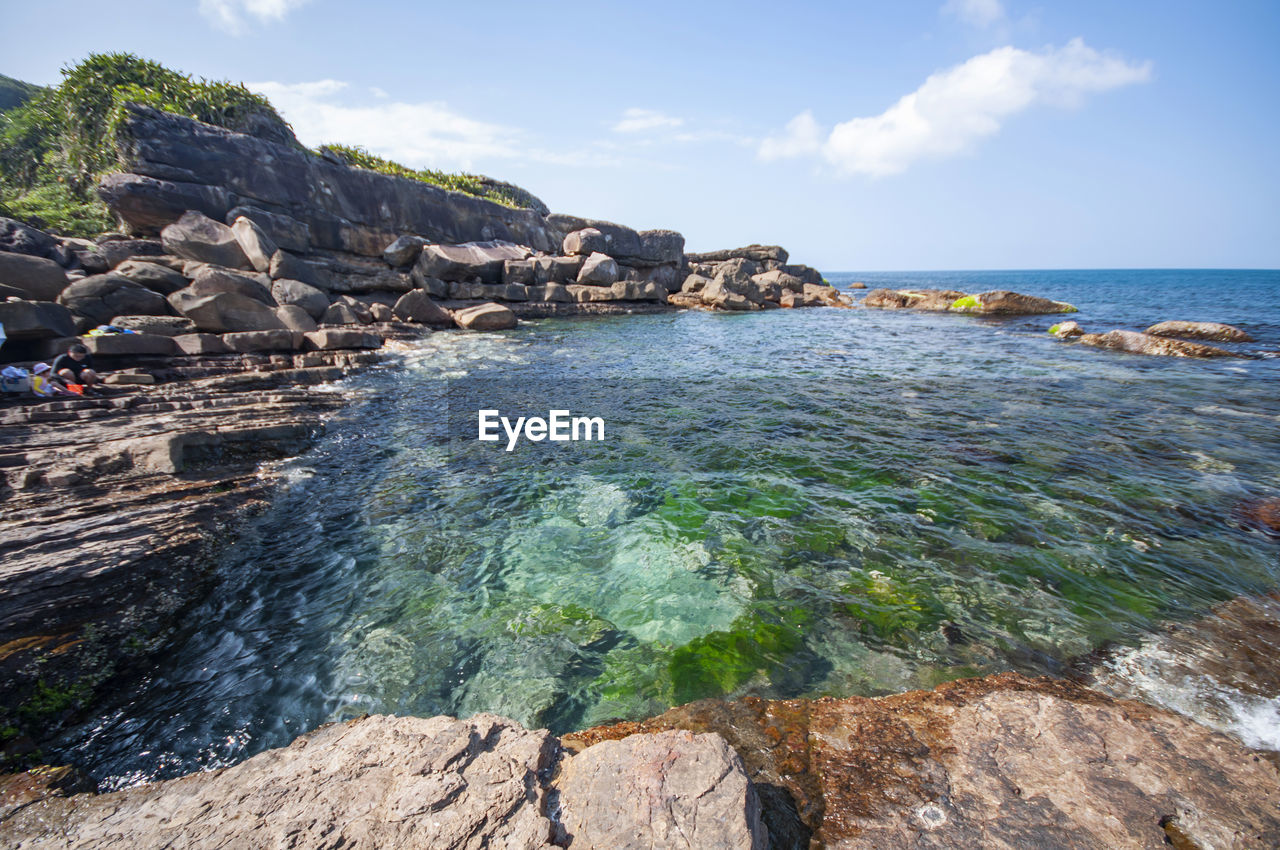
{"points": [[719, 663], [470, 184], [47, 700], [15, 92], [968, 302], [56, 143], [55, 146]]}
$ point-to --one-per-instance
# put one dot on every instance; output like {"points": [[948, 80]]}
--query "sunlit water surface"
{"points": [[791, 503]]}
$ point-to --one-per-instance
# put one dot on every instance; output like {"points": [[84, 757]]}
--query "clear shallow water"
{"points": [[787, 503]]}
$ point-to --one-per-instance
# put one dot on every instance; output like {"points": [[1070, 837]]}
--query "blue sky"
{"points": [[954, 134]]}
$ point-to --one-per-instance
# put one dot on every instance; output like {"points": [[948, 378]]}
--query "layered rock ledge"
{"points": [[999, 762]]}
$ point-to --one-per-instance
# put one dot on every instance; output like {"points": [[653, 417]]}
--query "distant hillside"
{"points": [[15, 92]]}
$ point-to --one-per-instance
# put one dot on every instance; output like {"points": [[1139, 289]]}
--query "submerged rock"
{"points": [[1140, 343], [1066, 330], [1200, 330]]}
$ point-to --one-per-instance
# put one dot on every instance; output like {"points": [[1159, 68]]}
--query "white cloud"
{"points": [[956, 108], [420, 134], [977, 13], [802, 136], [638, 120], [233, 15]]}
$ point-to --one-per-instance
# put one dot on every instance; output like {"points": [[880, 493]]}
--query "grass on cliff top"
{"points": [[471, 184], [56, 145], [57, 142]]}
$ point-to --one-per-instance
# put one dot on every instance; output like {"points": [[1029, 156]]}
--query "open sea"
{"points": [[786, 503]]}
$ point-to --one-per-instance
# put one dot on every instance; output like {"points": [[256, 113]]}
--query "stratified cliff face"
{"points": [[177, 164]]}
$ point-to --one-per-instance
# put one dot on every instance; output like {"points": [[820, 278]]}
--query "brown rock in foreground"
{"points": [[379, 782], [1213, 331], [1140, 343], [485, 317], [674, 790], [998, 762]]}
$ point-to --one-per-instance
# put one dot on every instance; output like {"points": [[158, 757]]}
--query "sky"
{"points": [[953, 134]]}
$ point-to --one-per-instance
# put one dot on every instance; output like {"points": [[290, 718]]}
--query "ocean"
{"points": [[786, 503]]}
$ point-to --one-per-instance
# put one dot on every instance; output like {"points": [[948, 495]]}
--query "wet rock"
{"points": [[154, 276], [485, 317], [130, 344], [756, 253], [598, 270], [1002, 302], [671, 790], [1066, 330], [295, 318], [418, 307], [37, 278], [100, 297], [404, 251], [330, 339], [299, 294], [195, 236], [1264, 513], [472, 260], [36, 320], [247, 342], [255, 243], [377, 782], [1140, 343], [1200, 330]]}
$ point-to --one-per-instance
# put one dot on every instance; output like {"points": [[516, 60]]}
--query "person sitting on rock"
{"points": [[76, 366]]}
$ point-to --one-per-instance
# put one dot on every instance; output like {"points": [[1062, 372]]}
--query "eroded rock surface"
{"points": [[1140, 343], [1213, 331], [378, 782]]}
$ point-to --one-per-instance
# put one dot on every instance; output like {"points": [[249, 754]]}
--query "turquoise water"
{"points": [[791, 503]]}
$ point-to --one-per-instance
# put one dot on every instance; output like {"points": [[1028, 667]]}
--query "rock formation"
{"points": [[1212, 331], [997, 302], [999, 762], [1140, 343]]}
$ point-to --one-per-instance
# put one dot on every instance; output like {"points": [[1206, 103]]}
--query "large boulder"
{"points": [[912, 299], [779, 279], [1212, 331], [114, 249], [37, 278], [295, 318], [198, 237], [471, 260], [36, 320], [485, 317], [585, 242], [1002, 302], [19, 238], [130, 345], [256, 244], [285, 231], [250, 342], [1140, 343], [300, 294], [336, 339], [598, 270], [556, 269], [756, 253], [378, 782], [717, 293], [417, 306], [287, 266], [211, 280], [161, 325], [225, 312], [148, 204], [674, 790], [153, 276], [404, 251], [518, 272], [101, 297], [346, 311]]}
